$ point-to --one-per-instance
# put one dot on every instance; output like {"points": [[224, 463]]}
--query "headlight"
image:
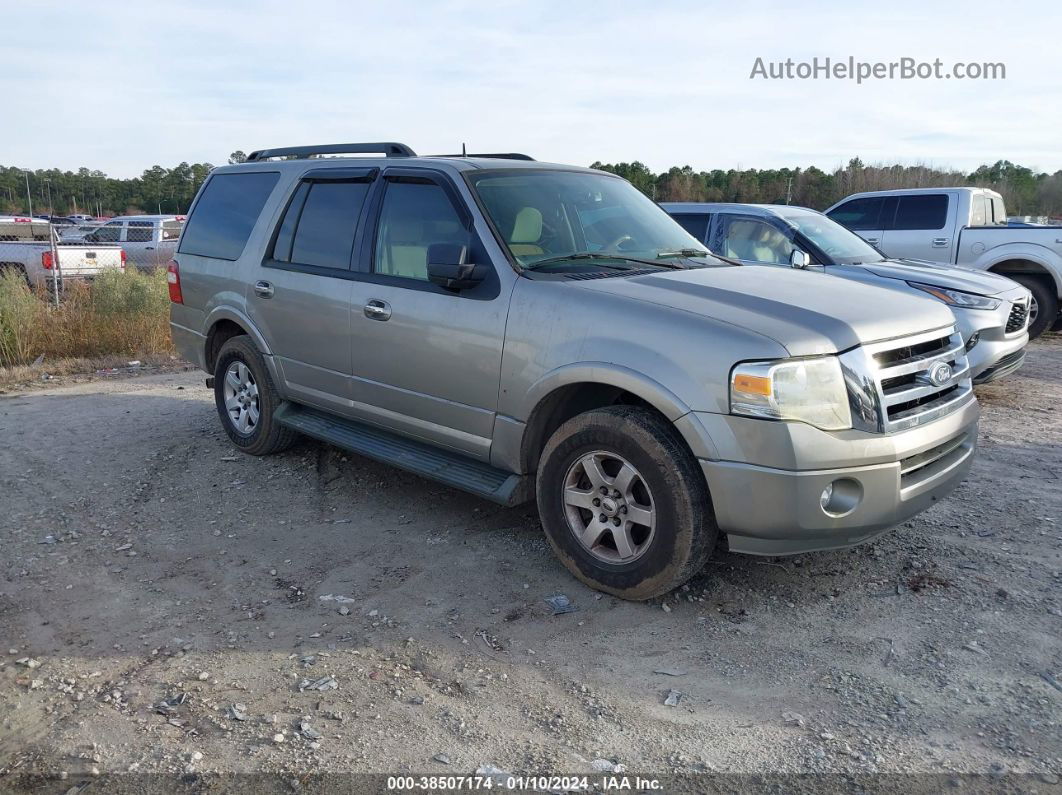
{"points": [[808, 390], [958, 297]]}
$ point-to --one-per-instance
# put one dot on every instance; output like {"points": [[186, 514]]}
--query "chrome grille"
{"points": [[891, 386], [1019, 316]]}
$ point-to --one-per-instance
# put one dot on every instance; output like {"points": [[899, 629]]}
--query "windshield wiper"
{"points": [[698, 252], [598, 255], [683, 252]]}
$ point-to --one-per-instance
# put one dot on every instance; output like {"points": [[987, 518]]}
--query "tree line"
{"points": [[171, 190], [1025, 192]]}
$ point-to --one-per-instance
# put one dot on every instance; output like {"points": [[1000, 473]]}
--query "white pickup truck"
{"points": [[965, 227], [29, 246]]}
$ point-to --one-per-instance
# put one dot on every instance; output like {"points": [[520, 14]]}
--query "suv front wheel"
{"points": [[624, 504], [247, 400]]}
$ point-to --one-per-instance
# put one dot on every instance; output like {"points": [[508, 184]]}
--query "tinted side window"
{"points": [[922, 212], [751, 240], [139, 232], [859, 214], [171, 230], [226, 213], [695, 224], [414, 215], [319, 225]]}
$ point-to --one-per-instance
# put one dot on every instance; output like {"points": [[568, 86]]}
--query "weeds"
{"points": [[118, 312]]}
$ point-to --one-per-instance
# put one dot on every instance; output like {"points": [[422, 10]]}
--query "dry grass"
{"points": [[117, 314]]}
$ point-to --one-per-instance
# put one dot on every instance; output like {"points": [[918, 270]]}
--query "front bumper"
{"points": [[767, 499], [994, 344]]}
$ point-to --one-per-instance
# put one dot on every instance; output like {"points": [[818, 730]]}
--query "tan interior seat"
{"points": [[527, 231]]}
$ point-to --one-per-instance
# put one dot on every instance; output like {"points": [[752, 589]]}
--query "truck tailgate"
{"points": [[88, 260]]}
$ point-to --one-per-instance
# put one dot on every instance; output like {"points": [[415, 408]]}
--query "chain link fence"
{"points": [[51, 252]]}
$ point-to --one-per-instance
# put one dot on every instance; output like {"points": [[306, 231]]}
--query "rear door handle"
{"points": [[872, 240], [377, 310], [940, 242], [263, 289]]}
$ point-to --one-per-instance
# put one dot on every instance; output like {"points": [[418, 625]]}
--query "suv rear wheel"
{"points": [[247, 400], [623, 503]]}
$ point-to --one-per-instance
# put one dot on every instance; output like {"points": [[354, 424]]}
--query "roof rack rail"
{"points": [[493, 155], [388, 148]]}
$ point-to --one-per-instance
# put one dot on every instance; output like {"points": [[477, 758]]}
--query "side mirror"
{"points": [[799, 259], [448, 269]]}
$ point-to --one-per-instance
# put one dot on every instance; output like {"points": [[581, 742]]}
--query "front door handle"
{"points": [[873, 240], [377, 310], [263, 289]]}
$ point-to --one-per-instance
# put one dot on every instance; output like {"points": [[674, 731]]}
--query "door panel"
{"points": [[425, 361], [923, 228], [301, 294], [431, 369], [306, 323]]}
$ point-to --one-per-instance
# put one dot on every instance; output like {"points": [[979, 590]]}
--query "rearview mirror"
{"points": [[799, 259], [448, 269]]}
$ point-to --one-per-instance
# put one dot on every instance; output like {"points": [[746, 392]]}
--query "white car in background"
{"points": [[149, 241]]}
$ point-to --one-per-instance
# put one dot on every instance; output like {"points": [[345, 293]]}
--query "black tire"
{"points": [[266, 436], [1046, 301], [685, 530]]}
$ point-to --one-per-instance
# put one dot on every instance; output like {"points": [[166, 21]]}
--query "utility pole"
{"points": [[789, 190], [29, 197], [51, 208]]}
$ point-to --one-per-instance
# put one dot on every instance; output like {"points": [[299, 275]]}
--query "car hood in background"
{"points": [[965, 279], [807, 312]]}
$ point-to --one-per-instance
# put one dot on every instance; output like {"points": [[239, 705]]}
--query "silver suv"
{"points": [[522, 330]]}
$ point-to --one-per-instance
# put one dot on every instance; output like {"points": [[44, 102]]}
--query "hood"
{"points": [[955, 278], [806, 312]]}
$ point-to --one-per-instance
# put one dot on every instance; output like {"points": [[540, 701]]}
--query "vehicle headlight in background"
{"points": [[958, 297], [807, 390]]}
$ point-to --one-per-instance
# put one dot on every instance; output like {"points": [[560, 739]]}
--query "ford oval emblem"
{"points": [[940, 373]]}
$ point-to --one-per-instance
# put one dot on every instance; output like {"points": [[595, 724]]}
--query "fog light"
{"points": [[973, 339], [841, 497], [826, 496]]}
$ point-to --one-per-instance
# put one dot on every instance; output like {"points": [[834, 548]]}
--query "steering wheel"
{"points": [[619, 241]]}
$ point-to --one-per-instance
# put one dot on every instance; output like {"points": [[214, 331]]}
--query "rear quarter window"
{"points": [[226, 213]]}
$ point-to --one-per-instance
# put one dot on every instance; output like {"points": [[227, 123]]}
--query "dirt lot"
{"points": [[152, 578]]}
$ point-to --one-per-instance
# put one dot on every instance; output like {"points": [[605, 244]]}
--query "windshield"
{"points": [[836, 242], [555, 215]]}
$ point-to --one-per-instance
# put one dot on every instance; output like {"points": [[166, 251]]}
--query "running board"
{"points": [[453, 469]]}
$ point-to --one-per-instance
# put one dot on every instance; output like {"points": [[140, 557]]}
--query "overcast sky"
{"points": [[123, 86]]}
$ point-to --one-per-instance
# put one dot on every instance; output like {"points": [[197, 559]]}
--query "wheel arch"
{"points": [[577, 389], [225, 323], [1029, 266]]}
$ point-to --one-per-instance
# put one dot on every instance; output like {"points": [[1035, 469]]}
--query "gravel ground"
{"points": [[170, 606]]}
